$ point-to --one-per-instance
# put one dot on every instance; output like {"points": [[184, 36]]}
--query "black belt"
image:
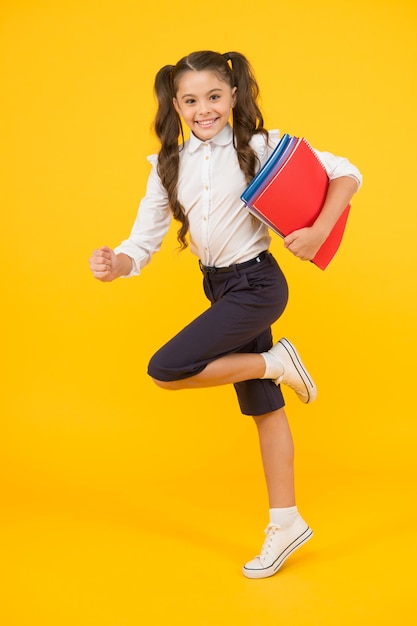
{"points": [[231, 268]]}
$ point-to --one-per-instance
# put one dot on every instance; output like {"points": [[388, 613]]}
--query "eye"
{"points": [[190, 101], [215, 96]]}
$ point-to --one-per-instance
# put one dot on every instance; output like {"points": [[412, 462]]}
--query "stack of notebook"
{"points": [[289, 191]]}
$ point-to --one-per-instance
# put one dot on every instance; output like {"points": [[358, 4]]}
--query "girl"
{"points": [[199, 182]]}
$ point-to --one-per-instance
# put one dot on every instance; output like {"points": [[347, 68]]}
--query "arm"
{"points": [[305, 243], [149, 229]]}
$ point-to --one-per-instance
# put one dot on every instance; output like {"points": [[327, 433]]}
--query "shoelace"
{"points": [[270, 531]]}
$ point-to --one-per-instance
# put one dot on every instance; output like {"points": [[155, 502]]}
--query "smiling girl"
{"points": [[199, 183]]}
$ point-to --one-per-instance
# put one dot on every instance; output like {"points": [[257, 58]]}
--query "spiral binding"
{"points": [[308, 144]]}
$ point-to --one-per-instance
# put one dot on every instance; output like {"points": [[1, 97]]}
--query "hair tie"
{"points": [[226, 55]]}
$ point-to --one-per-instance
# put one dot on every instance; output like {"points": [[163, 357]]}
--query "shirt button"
{"points": [[206, 187]]}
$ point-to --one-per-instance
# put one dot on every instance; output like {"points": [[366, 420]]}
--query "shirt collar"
{"points": [[224, 138]]}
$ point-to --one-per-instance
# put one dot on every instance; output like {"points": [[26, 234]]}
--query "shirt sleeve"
{"points": [[151, 223], [263, 146], [337, 166]]}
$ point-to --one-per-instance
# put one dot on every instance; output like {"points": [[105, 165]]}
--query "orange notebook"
{"points": [[292, 195]]}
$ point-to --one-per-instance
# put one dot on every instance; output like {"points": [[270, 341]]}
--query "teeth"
{"points": [[208, 123]]}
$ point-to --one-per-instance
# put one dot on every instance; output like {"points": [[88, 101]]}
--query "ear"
{"points": [[175, 103]]}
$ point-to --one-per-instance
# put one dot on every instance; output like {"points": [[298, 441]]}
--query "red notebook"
{"points": [[293, 197]]}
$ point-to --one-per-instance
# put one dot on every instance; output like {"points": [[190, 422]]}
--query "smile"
{"points": [[206, 123]]}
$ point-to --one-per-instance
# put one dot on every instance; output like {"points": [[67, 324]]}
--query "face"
{"points": [[204, 103]]}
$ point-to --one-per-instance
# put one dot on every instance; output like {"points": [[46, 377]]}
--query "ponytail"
{"points": [[168, 128], [246, 114]]}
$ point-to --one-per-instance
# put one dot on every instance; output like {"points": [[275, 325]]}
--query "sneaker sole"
{"points": [[310, 387], [272, 569]]}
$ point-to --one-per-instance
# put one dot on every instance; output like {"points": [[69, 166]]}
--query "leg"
{"points": [[243, 307], [287, 531], [281, 364], [277, 452], [232, 368]]}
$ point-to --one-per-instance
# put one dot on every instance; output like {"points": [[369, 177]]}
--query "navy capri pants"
{"points": [[245, 300]]}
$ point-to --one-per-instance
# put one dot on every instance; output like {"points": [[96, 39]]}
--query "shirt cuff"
{"points": [[134, 271]]}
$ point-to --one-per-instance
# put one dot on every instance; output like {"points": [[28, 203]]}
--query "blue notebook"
{"points": [[267, 171]]}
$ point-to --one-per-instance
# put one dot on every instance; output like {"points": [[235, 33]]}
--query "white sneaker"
{"points": [[279, 544], [295, 374]]}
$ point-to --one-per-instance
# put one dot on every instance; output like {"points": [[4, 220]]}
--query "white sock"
{"points": [[284, 516], [273, 367]]}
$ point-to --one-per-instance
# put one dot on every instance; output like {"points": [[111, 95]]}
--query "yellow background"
{"points": [[122, 504]]}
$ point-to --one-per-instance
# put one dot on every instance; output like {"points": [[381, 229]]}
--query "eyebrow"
{"points": [[191, 95]]}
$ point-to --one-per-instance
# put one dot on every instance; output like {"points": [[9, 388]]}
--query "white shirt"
{"points": [[222, 231]]}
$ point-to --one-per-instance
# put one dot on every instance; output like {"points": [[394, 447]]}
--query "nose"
{"points": [[204, 107]]}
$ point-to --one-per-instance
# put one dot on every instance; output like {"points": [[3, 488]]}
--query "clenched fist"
{"points": [[105, 265]]}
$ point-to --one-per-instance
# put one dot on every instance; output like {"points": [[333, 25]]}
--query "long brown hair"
{"points": [[246, 115]]}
